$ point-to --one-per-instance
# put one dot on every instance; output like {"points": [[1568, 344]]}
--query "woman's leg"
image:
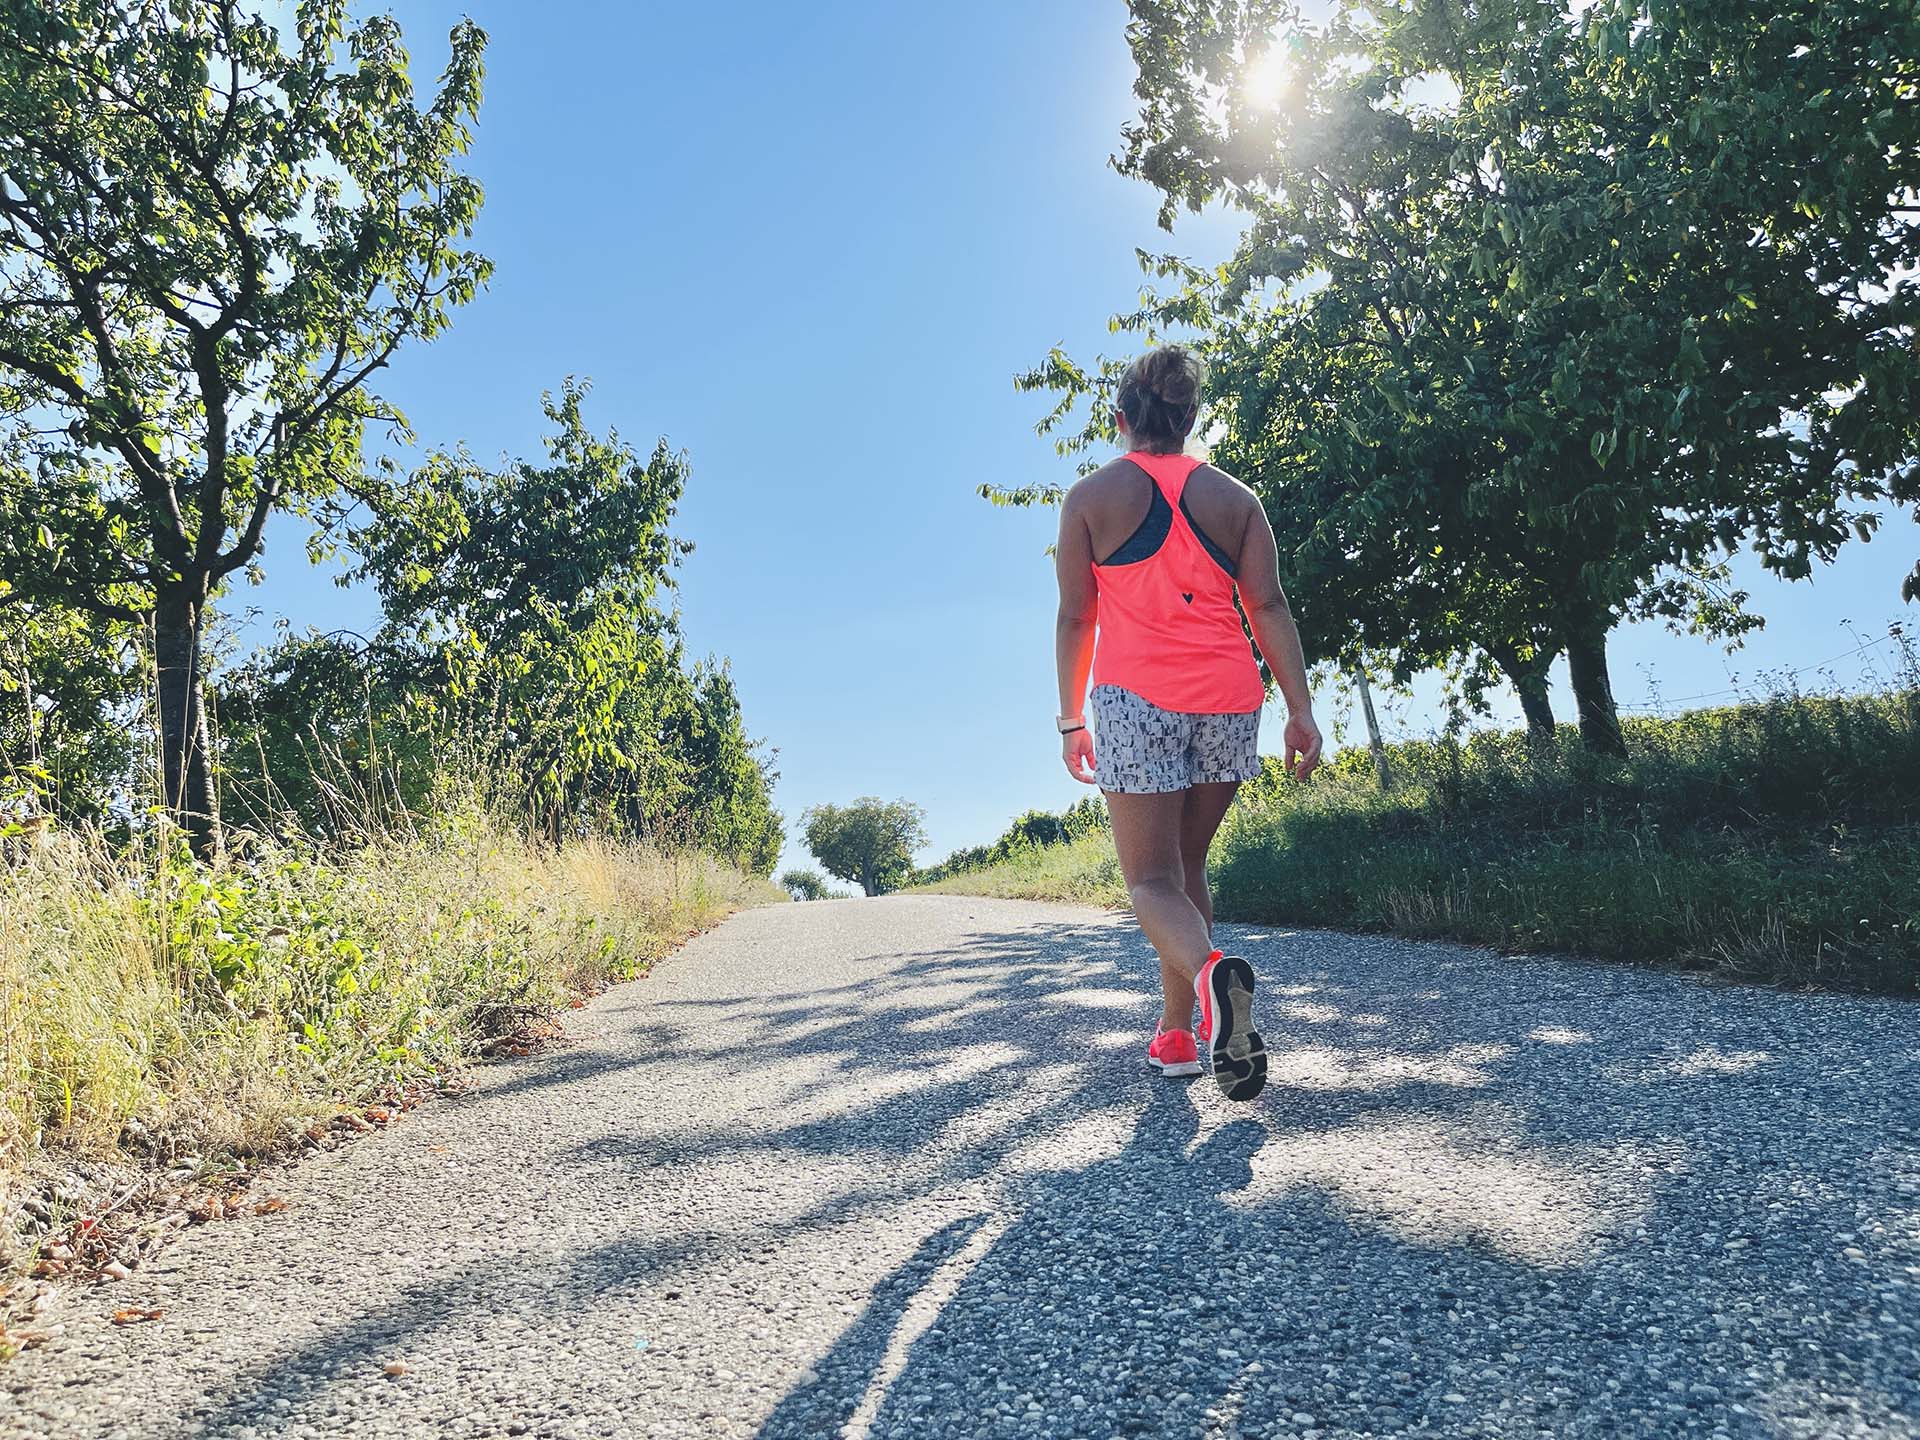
{"points": [[1146, 833], [1206, 806]]}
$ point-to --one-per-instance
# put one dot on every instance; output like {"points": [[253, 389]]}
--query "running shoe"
{"points": [[1203, 1032], [1225, 987], [1172, 1053]]}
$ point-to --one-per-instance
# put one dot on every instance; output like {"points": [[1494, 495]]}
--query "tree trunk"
{"points": [[1593, 693], [1374, 742], [1529, 681], [1534, 704], [186, 768]]}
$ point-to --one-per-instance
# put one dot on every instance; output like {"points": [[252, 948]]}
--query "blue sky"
{"points": [[811, 246]]}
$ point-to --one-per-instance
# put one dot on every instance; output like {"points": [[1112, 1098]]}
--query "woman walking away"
{"points": [[1152, 549]]}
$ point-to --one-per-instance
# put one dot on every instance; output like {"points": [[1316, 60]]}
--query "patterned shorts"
{"points": [[1140, 749]]}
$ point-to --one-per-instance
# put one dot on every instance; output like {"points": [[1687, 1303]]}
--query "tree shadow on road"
{"points": [[1480, 1196]]}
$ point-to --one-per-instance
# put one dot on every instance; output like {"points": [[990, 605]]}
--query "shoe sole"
{"points": [[1179, 1070], [1239, 1054]]}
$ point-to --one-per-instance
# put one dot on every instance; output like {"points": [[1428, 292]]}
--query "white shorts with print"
{"points": [[1140, 749]]}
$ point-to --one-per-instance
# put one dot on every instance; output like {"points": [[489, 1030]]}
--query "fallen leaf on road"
{"points": [[135, 1315], [116, 1270], [394, 1367], [271, 1205]]}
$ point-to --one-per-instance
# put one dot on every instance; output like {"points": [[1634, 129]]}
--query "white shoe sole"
{"points": [[1179, 1070]]}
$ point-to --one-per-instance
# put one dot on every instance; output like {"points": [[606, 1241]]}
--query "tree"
{"points": [[210, 241], [803, 884], [316, 731], [527, 593], [524, 643], [1536, 352], [870, 842]]}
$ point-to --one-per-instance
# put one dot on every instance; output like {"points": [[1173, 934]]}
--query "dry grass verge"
{"points": [[160, 1016]]}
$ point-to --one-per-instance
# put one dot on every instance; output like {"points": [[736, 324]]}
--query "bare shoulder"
{"points": [[1218, 484], [1101, 485]]}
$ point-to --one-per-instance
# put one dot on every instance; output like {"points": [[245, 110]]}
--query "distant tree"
{"points": [[1033, 830], [1085, 817], [803, 884], [215, 228], [870, 842]]}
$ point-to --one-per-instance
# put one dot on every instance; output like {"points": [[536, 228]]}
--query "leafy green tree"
{"points": [[215, 228], [317, 731], [1538, 316], [538, 585], [729, 807], [803, 884], [869, 843], [458, 548], [524, 647]]}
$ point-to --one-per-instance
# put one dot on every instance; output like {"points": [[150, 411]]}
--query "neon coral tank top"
{"points": [[1166, 627]]}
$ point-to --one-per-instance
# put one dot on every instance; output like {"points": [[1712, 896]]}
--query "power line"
{"points": [[1894, 632]]}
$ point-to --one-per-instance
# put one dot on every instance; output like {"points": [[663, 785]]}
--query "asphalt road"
{"points": [[897, 1167]]}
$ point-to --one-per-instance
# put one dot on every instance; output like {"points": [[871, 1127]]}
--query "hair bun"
{"points": [[1160, 395]]}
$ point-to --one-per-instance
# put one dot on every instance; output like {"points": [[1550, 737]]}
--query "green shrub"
{"points": [[1778, 840]]}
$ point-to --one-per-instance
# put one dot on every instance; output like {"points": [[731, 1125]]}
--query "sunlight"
{"points": [[918, 1316], [1268, 80], [1434, 1183]]}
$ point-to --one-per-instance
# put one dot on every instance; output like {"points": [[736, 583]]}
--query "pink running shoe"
{"points": [[1204, 1030], [1172, 1053], [1225, 987]]}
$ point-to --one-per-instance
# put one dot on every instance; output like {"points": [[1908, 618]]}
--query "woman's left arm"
{"points": [[1073, 630]]}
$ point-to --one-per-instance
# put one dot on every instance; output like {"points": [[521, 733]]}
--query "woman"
{"points": [[1152, 549]]}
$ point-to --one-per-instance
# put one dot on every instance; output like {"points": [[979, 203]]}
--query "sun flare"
{"points": [[1267, 80]]}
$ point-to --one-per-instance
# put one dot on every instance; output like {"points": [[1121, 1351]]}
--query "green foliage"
{"points": [[228, 1007], [521, 643], [870, 842], [1035, 830], [215, 229], [66, 680], [459, 549], [807, 885], [1777, 840], [1083, 871], [317, 734], [1537, 315]]}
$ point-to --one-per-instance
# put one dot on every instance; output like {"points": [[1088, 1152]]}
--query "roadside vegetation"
{"points": [[1777, 840], [246, 892], [151, 1002]]}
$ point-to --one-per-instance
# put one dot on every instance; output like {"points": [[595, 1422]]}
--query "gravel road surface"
{"points": [[897, 1168]]}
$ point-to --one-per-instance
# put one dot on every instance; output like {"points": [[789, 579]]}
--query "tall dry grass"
{"points": [[155, 1006]]}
